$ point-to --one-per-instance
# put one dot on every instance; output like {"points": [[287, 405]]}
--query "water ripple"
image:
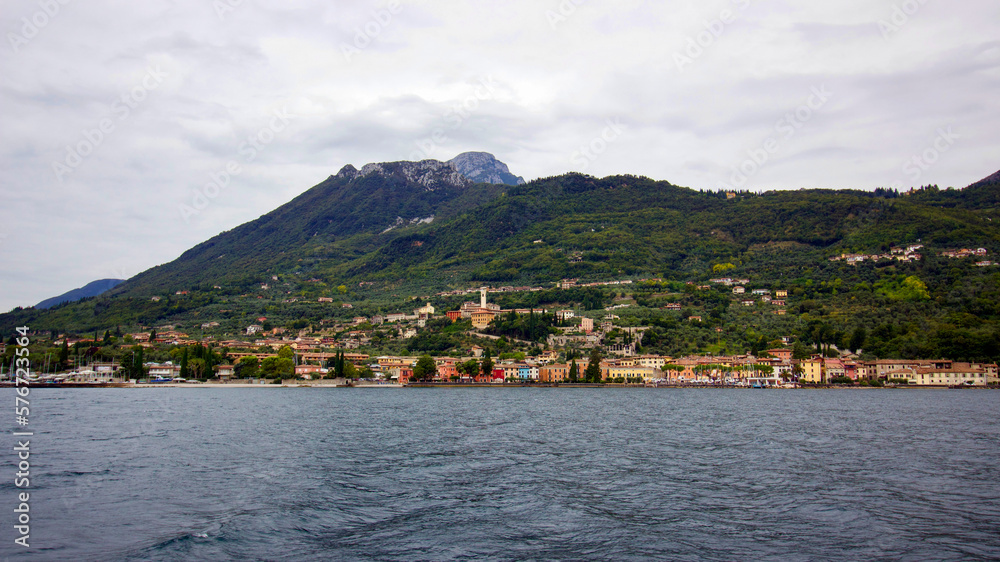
{"points": [[515, 474]]}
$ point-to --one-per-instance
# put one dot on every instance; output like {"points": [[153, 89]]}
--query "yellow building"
{"points": [[629, 372], [945, 373], [482, 318], [812, 371], [654, 361]]}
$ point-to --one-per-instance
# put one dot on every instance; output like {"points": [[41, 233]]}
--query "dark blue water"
{"points": [[510, 474]]}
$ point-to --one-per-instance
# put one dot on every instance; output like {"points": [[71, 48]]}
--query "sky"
{"points": [[132, 131]]}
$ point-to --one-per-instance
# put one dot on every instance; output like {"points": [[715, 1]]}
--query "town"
{"points": [[581, 353]]}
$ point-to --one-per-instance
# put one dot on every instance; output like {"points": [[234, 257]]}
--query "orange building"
{"points": [[783, 354]]}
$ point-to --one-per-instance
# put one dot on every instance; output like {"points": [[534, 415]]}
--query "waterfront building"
{"points": [[527, 372], [834, 368], [554, 373], [812, 370], [647, 374]]}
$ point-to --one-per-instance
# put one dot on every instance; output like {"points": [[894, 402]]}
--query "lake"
{"points": [[509, 474]]}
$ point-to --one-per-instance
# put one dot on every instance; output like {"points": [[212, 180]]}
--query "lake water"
{"points": [[510, 474]]}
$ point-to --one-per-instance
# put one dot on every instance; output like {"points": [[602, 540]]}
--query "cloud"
{"points": [[374, 80]]}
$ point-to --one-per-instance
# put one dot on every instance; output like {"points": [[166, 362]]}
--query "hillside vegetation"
{"points": [[376, 240]]}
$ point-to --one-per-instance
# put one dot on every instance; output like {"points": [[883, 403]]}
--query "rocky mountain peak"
{"points": [[431, 174], [348, 171], [483, 167], [461, 171]]}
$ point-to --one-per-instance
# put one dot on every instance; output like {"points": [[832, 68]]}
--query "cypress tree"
{"points": [[593, 372], [64, 355], [487, 365], [139, 360]]}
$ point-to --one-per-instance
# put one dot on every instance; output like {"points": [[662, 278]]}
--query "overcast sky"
{"points": [[117, 115]]}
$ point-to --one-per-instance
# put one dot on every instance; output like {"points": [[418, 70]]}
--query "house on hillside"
{"points": [[482, 318], [783, 354]]}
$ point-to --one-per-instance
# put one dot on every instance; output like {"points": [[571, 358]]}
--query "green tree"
{"points": [[469, 368], [593, 372], [350, 371], [801, 351], [132, 364], [277, 367], [858, 339], [184, 364], [487, 365], [425, 368], [152, 336], [64, 355], [196, 367], [574, 372], [340, 365], [286, 352], [139, 369], [247, 368]]}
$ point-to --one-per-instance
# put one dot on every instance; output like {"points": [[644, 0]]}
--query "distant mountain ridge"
{"points": [[420, 227], [91, 289], [991, 180]]}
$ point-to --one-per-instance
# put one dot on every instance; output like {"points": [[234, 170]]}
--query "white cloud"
{"points": [[557, 82]]}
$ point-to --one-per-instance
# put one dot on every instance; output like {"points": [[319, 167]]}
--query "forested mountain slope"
{"points": [[379, 236]]}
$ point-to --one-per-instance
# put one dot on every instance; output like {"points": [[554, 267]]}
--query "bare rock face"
{"points": [[348, 171], [431, 174], [462, 171], [483, 167]]}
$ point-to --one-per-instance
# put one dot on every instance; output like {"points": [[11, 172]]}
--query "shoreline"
{"points": [[306, 384]]}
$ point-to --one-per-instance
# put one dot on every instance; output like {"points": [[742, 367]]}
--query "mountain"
{"points": [[991, 180], [336, 221], [483, 167], [377, 236], [985, 193], [91, 289]]}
